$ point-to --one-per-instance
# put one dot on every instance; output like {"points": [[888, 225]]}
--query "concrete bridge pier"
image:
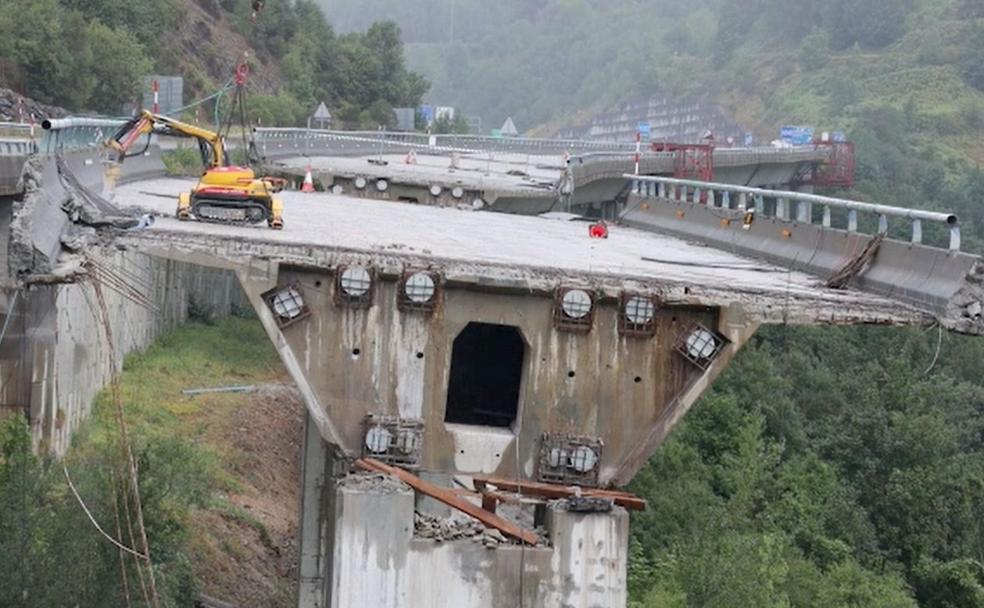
{"points": [[358, 548], [621, 387]]}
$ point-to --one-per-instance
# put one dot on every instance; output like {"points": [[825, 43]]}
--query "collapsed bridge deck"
{"points": [[517, 252]]}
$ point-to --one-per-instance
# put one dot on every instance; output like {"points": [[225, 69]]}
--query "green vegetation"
{"points": [[827, 467], [360, 76], [768, 62], [90, 55], [50, 554]]}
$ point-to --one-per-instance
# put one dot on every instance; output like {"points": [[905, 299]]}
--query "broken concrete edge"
{"points": [[833, 307], [24, 256], [48, 221], [965, 311], [86, 207], [451, 499], [929, 279]]}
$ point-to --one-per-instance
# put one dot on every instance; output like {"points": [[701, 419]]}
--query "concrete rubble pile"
{"points": [[376, 483], [453, 528], [965, 310], [53, 224]]}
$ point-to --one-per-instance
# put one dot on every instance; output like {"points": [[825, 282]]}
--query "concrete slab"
{"points": [[504, 171], [529, 252]]}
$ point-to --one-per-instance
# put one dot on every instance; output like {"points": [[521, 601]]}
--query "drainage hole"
{"points": [[420, 355], [571, 374], [638, 379], [356, 352]]}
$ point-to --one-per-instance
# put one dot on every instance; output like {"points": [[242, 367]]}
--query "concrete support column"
{"points": [[592, 550], [6, 214], [313, 527], [370, 545]]}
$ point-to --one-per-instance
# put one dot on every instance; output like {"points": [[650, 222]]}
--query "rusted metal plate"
{"points": [[451, 499]]}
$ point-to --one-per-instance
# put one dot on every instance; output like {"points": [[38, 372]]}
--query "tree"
{"points": [[868, 23], [972, 64], [117, 66], [814, 52]]}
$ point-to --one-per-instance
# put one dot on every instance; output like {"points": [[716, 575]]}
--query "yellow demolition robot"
{"points": [[225, 193]]}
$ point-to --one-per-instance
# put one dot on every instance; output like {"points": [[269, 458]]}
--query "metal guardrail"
{"points": [[17, 147], [75, 133], [513, 144], [742, 198], [461, 143], [16, 130], [13, 155]]}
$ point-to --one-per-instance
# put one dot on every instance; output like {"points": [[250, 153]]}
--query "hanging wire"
{"points": [[120, 546], [939, 344], [6, 319]]}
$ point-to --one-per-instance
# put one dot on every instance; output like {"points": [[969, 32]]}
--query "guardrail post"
{"points": [[801, 212], [636, 186], [720, 196], [954, 237]]}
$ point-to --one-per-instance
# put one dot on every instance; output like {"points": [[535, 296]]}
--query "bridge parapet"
{"points": [[13, 155], [726, 196], [66, 134], [16, 130], [314, 140], [800, 231]]}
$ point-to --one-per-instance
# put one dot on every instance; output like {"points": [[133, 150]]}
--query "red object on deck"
{"points": [[598, 231]]}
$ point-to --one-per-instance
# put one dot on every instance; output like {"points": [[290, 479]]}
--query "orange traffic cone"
{"points": [[308, 185]]}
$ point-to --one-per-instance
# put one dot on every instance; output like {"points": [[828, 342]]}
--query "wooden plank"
{"points": [[450, 498], [547, 490]]}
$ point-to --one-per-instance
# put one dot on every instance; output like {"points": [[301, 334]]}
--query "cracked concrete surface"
{"points": [[529, 253]]}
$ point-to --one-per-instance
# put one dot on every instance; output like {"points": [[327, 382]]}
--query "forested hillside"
{"points": [[767, 61], [90, 55], [829, 467]]}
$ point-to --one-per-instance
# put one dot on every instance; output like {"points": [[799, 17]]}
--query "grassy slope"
{"points": [[242, 542]]}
